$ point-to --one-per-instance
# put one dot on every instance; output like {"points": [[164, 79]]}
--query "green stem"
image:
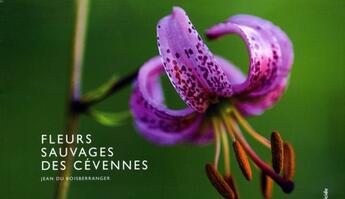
{"points": [[82, 7], [86, 102], [63, 185]]}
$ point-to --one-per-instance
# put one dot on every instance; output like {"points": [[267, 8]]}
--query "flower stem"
{"points": [[63, 185], [116, 86], [78, 104], [82, 11], [82, 7]]}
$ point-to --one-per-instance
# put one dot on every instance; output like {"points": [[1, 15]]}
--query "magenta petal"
{"points": [[234, 74], [269, 62], [154, 120], [250, 106], [190, 65], [285, 44]]}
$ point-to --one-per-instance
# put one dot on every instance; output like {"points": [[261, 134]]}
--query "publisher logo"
{"points": [[325, 193]]}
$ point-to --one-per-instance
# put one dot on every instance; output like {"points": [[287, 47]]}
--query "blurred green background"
{"points": [[36, 39]]}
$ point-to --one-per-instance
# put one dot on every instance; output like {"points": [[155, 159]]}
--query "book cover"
{"points": [[172, 99]]}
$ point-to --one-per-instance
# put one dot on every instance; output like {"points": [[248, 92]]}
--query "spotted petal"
{"points": [[191, 67], [269, 48], [284, 42], [154, 120], [234, 74], [249, 106]]}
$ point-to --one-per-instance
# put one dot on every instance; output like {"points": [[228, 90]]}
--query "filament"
{"points": [[226, 150], [250, 129], [217, 142]]}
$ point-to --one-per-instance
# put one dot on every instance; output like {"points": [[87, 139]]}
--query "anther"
{"points": [[277, 152], [242, 160], [289, 161], [230, 181], [219, 182], [266, 185]]}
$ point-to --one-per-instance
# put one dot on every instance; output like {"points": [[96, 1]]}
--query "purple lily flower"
{"points": [[218, 95]]}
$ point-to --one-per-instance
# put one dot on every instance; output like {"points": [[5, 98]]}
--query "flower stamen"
{"points": [[231, 182], [250, 129], [217, 141], [277, 152], [285, 184], [242, 160], [226, 153], [289, 161], [219, 182], [266, 185]]}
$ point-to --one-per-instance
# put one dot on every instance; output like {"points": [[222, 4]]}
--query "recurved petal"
{"points": [[190, 65], [153, 119], [286, 47], [250, 106], [233, 73], [269, 62]]}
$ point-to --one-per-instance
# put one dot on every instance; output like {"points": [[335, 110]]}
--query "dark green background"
{"points": [[36, 39]]}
